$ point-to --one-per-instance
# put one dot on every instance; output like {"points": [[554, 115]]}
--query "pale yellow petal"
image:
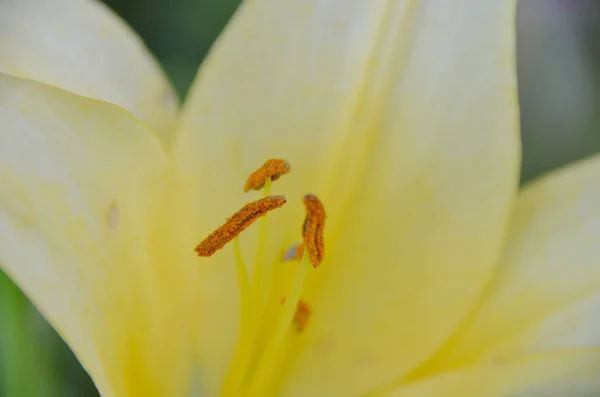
{"points": [[79, 180], [81, 46], [281, 82], [563, 373], [546, 293], [402, 117]]}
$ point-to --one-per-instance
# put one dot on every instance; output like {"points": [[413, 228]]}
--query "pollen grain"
{"points": [[293, 253]]}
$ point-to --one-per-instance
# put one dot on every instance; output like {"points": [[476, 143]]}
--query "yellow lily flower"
{"points": [[439, 277]]}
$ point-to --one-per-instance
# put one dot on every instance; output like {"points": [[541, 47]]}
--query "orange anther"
{"points": [[293, 253], [237, 223], [302, 315], [312, 229], [272, 168]]}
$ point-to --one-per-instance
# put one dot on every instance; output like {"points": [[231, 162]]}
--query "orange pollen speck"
{"points": [[272, 168], [312, 229], [302, 315], [293, 253], [237, 223]]}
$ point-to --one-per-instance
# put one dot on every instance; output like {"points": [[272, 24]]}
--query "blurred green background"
{"points": [[559, 83]]}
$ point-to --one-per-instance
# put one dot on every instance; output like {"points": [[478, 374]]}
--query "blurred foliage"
{"points": [[179, 32], [559, 83], [25, 336]]}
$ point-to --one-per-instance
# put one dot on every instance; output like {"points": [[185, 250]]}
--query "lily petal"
{"points": [[81, 46], [79, 179], [557, 374], [402, 117], [546, 294], [282, 81]]}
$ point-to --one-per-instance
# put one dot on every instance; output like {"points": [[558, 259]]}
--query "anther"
{"points": [[312, 229], [293, 253], [272, 168], [237, 223], [302, 315]]}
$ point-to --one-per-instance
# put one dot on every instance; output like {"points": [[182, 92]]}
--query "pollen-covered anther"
{"points": [[237, 223], [293, 253], [312, 229], [272, 168]]}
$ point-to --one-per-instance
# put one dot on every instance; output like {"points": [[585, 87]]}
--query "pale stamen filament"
{"points": [[259, 295], [237, 372], [275, 348], [261, 274]]}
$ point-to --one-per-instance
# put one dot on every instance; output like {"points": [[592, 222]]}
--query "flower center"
{"points": [[267, 320]]}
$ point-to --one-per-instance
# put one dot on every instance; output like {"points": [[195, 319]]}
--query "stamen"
{"points": [[237, 223], [272, 170], [312, 229], [266, 328], [293, 253]]}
